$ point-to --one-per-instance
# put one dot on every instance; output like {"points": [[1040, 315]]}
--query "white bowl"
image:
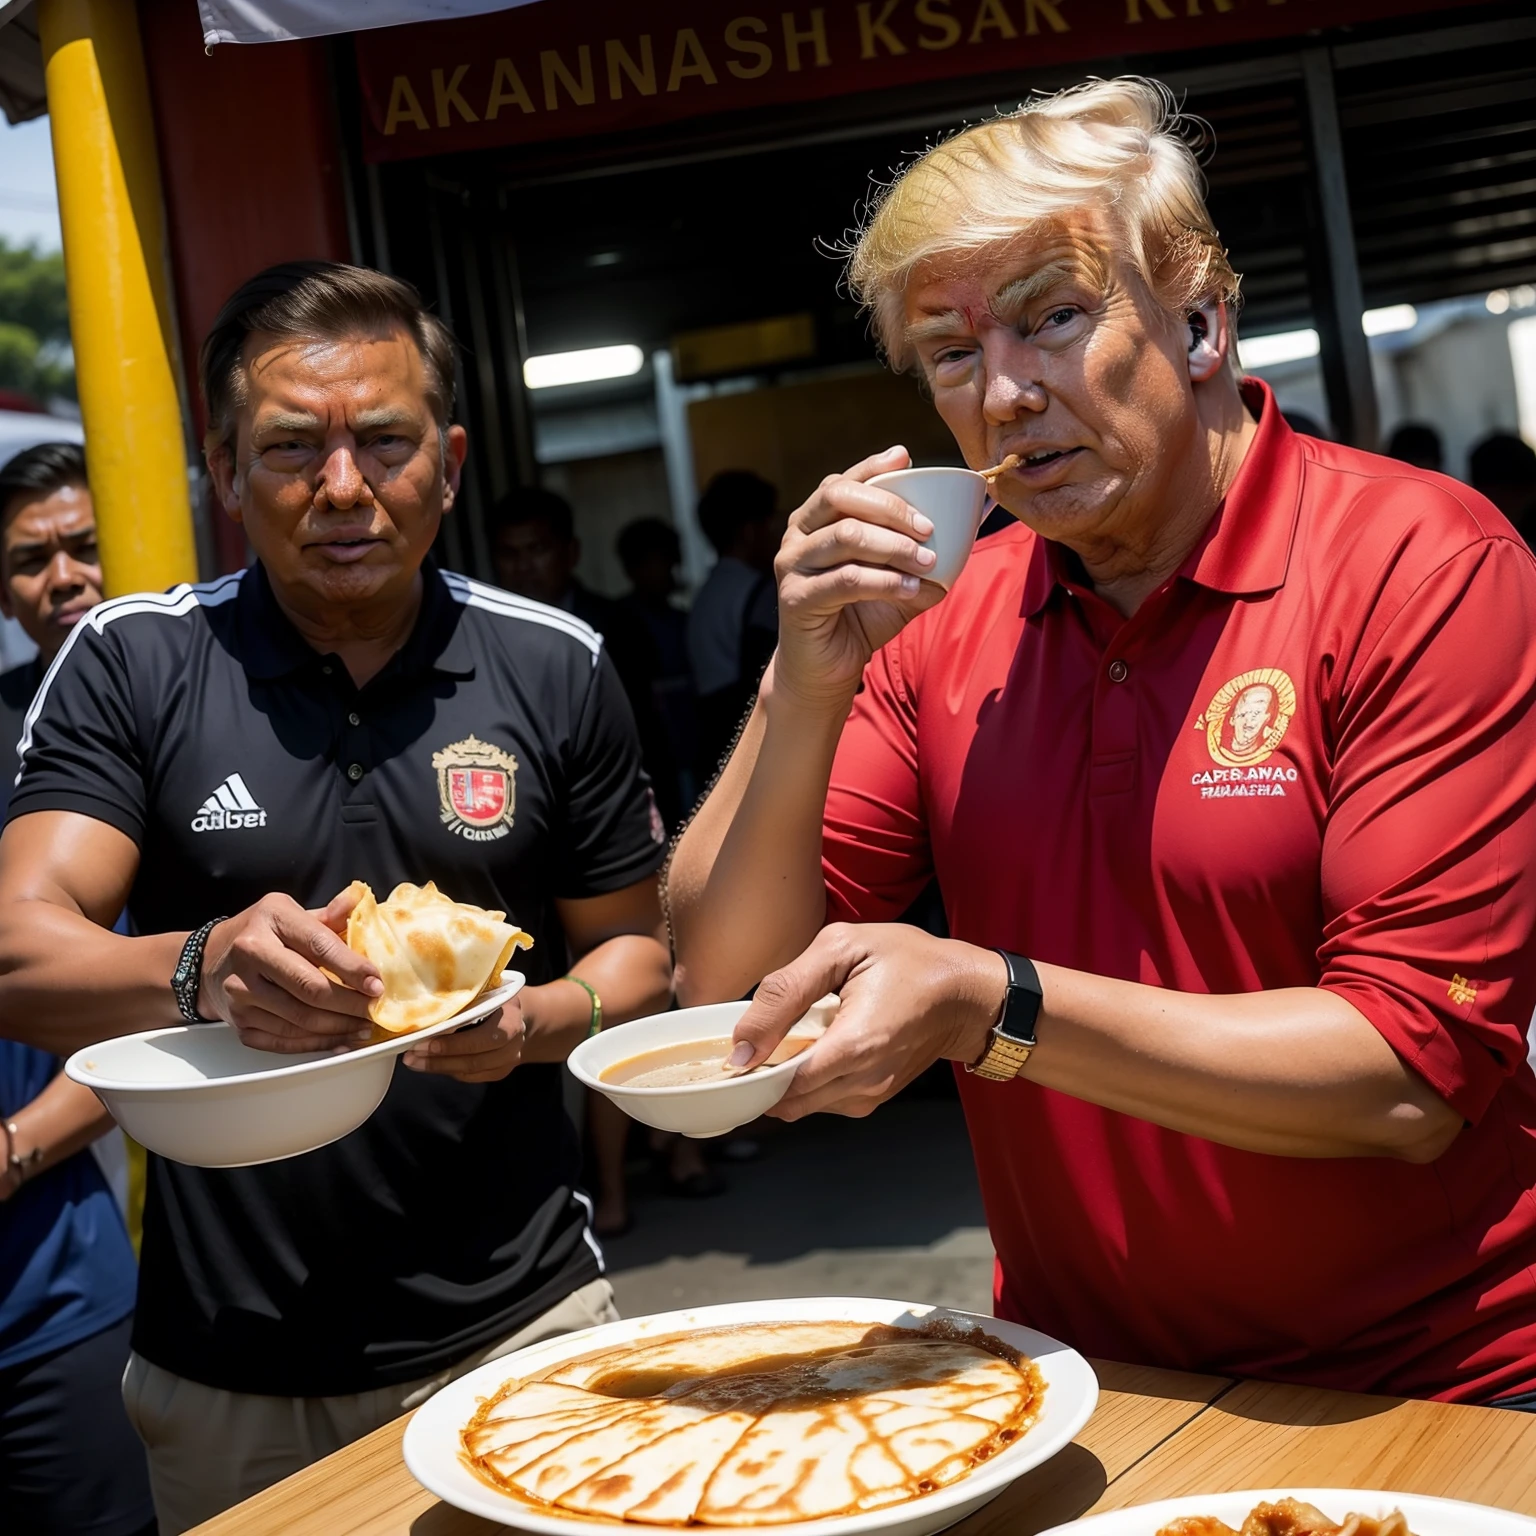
{"points": [[955, 501], [1071, 1392], [694, 1109], [196, 1095], [1428, 1517]]}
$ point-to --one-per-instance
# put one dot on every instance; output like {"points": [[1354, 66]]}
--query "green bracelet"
{"points": [[597, 1004]]}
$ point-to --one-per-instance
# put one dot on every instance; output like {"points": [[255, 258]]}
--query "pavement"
{"points": [[885, 1206]]}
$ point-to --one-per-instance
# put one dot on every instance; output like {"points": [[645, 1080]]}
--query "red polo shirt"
{"points": [[1309, 759]]}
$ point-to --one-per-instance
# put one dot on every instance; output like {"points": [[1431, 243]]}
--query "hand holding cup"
{"points": [[954, 501], [856, 566]]}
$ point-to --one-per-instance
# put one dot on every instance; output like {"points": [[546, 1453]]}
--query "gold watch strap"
{"points": [[1003, 1058]]}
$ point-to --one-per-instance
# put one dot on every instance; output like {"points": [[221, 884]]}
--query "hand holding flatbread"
{"points": [[435, 956]]}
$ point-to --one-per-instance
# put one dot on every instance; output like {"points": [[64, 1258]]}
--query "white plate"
{"points": [[432, 1442], [1427, 1517], [196, 1095]]}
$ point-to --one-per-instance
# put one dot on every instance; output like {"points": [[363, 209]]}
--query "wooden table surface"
{"points": [[1155, 1434]]}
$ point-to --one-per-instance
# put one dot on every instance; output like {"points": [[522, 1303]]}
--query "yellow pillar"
{"points": [[119, 301]]}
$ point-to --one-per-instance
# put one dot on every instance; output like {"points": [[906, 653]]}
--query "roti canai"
{"points": [[435, 956], [1290, 1517], [756, 1425]]}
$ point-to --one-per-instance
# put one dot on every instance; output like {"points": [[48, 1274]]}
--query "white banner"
{"points": [[277, 21]]}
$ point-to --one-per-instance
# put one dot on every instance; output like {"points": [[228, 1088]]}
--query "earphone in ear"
{"points": [[1205, 355]]}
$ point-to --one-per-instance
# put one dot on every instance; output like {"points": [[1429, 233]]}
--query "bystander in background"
{"points": [[1503, 468], [51, 573], [1419, 444], [535, 551], [734, 624], [650, 553], [69, 1460]]}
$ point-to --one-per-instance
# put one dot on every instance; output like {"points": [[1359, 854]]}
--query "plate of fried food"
{"points": [[1303, 1512], [196, 1094], [822, 1416]]}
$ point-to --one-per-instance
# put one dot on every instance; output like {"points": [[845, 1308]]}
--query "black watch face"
{"points": [[1022, 1036], [1020, 1012]]}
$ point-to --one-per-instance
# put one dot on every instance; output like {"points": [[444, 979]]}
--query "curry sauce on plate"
{"points": [[756, 1425]]}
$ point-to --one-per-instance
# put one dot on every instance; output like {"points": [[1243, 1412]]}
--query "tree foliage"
{"points": [[35, 355]]}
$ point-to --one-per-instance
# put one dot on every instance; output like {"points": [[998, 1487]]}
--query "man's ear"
{"points": [[220, 460], [7, 608], [1208, 338], [455, 443]]}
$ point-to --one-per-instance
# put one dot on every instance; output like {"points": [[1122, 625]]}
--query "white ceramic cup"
{"points": [[954, 501]]}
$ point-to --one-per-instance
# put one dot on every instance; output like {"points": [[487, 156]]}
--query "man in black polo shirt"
{"points": [[343, 710]]}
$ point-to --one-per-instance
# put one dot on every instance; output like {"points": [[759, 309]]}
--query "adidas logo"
{"points": [[228, 807]]}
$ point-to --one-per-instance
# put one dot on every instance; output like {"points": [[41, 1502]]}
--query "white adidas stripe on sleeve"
{"points": [[475, 594]]}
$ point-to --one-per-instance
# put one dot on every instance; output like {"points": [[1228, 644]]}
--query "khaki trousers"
{"points": [[209, 1449]]}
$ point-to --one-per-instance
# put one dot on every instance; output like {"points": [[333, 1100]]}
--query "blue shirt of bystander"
{"points": [[66, 1267]]}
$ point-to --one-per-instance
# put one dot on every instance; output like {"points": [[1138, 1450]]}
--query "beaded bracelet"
{"points": [[24, 1167], [596, 1024]]}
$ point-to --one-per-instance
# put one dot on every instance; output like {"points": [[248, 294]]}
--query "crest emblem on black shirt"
{"points": [[476, 784]]}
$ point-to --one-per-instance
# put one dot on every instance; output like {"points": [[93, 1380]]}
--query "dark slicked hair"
{"points": [[317, 300], [40, 471]]}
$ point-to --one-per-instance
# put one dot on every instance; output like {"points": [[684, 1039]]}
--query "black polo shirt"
{"points": [[496, 755]]}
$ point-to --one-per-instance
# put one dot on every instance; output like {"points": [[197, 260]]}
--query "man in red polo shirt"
{"points": [[1225, 761]]}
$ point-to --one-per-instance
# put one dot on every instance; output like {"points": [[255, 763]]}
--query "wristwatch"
{"points": [[1013, 1036], [187, 978]]}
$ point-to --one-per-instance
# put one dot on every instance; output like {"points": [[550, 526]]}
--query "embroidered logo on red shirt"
{"points": [[1246, 720], [1243, 725]]}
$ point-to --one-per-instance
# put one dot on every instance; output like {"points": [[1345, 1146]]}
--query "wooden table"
{"points": [[1155, 1434]]}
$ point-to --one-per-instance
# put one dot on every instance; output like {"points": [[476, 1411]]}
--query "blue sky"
{"points": [[29, 202]]}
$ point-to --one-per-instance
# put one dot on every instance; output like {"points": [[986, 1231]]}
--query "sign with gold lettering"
{"points": [[556, 71]]}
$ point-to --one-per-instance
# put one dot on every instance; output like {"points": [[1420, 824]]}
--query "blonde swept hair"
{"points": [[1116, 147]]}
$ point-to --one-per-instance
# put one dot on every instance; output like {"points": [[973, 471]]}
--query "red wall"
{"points": [[251, 165]]}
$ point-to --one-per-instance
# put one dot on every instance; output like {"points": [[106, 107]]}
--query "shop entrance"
{"points": [[1389, 174]]}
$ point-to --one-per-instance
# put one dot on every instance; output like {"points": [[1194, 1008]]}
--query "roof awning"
{"points": [[277, 21], [23, 94]]}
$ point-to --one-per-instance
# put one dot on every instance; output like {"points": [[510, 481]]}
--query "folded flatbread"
{"points": [[436, 956]]}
